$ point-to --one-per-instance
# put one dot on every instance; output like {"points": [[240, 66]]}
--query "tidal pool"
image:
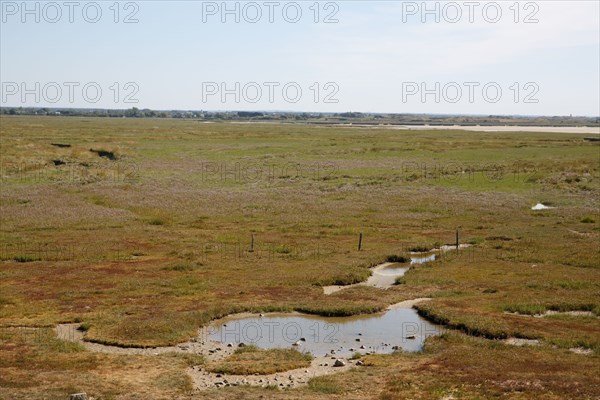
{"points": [[341, 336]]}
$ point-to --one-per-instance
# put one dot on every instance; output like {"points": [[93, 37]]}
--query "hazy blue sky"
{"points": [[377, 57]]}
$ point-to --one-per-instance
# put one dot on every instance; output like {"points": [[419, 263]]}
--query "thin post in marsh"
{"points": [[457, 240], [252, 243], [359, 241]]}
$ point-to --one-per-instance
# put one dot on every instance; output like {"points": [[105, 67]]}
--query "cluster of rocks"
{"points": [[290, 382]]}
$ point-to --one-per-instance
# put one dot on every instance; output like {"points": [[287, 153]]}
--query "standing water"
{"points": [[378, 333]]}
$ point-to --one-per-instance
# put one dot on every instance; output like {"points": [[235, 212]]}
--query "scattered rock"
{"points": [[359, 362], [58, 162], [78, 396], [339, 363], [581, 350], [229, 345], [242, 344], [540, 206], [521, 342], [411, 337]]}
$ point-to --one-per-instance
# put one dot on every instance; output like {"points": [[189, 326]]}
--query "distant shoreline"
{"points": [[506, 128]]}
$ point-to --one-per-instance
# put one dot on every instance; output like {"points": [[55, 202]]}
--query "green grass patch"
{"points": [[250, 360]]}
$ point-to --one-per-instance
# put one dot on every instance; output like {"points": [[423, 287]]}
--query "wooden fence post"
{"points": [[457, 239]]}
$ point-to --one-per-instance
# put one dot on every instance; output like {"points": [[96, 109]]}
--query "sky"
{"points": [[435, 57]]}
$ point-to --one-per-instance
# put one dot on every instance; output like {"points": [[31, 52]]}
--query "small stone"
{"points": [[359, 362], [411, 337], [362, 347], [229, 345], [241, 345], [357, 339], [78, 396], [339, 363], [303, 339]]}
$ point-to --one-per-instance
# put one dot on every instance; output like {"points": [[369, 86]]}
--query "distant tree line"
{"points": [[314, 118]]}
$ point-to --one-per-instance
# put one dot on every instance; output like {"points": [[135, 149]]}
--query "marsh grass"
{"points": [[176, 213], [397, 259], [250, 360]]}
